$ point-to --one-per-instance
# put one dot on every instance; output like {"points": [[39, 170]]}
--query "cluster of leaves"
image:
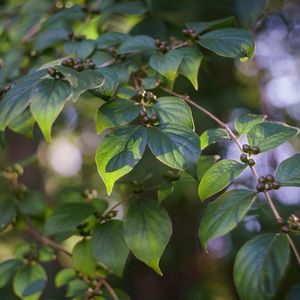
{"points": [[128, 71]]}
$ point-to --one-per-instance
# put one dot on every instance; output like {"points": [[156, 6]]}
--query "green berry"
{"points": [[262, 179], [260, 187], [255, 150], [52, 72], [78, 67], [276, 185], [246, 148], [244, 158], [251, 162]]}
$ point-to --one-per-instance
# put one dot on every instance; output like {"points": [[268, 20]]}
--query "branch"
{"points": [[233, 137]]}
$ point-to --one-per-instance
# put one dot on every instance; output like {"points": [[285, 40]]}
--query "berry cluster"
{"points": [[267, 183], [190, 33], [248, 151], [162, 46], [4, 90], [149, 121], [78, 64], [293, 222], [146, 96]]}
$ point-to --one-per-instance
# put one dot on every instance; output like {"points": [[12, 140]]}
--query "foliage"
{"points": [[132, 78]]}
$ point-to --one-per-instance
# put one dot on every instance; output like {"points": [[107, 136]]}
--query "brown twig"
{"points": [[234, 138]]}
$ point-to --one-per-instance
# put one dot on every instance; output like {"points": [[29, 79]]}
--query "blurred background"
{"points": [[270, 84]]}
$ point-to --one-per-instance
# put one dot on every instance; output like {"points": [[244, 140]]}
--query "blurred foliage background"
{"points": [[63, 170]]}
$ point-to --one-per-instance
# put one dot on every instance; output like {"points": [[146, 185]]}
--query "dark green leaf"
{"points": [[109, 246], [294, 292], [223, 214], [7, 212], [116, 113], [211, 136], [16, 100], [110, 39], [49, 98], [85, 49], [260, 265], [172, 111], [23, 124], [288, 172], [119, 152], [269, 135], [204, 163], [137, 43], [166, 64], [176, 146], [49, 38], [147, 231], [129, 8], [212, 25], [64, 276], [33, 204], [164, 191], [83, 258], [7, 269], [229, 42], [244, 123], [67, 217], [30, 276], [190, 64], [76, 288], [219, 176]]}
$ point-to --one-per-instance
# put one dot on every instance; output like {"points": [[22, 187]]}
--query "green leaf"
{"points": [[7, 269], [29, 282], [121, 295], [190, 64], [109, 246], [111, 81], [212, 25], [147, 231], [46, 254], [85, 49], [49, 38], [67, 217], [119, 152], [294, 292], [211, 136], [244, 123], [33, 204], [269, 135], [64, 276], [76, 288], [229, 42], [23, 124], [116, 113], [139, 43], [223, 214], [260, 265], [83, 258], [219, 176], [204, 163], [288, 172], [110, 39], [128, 8], [81, 81], [176, 146], [172, 111], [17, 99], [164, 190], [48, 101], [166, 64], [7, 212]]}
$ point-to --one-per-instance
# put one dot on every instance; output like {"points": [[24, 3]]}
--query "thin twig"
{"points": [[294, 248], [110, 290]]}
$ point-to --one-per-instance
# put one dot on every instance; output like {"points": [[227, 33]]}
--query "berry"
{"points": [[143, 113], [145, 119], [70, 61], [255, 150], [246, 148], [78, 61], [260, 187], [52, 72], [270, 178], [262, 179], [154, 118], [91, 65], [276, 185], [251, 162], [244, 158], [269, 186], [78, 67], [285, 229]]}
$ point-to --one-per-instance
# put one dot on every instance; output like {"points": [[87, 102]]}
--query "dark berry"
{"points": [[91, 65], [285, 229], [244, 158], [70, 61], [276, 185], [143, 113], [78, 67], [145, 119], [262, 179], [6, 88], [260, 187], [251, 162], [270, 178], [154, 117], [255, 150], [78, 61], [65, 63], [51, 71], [246, 148]]}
